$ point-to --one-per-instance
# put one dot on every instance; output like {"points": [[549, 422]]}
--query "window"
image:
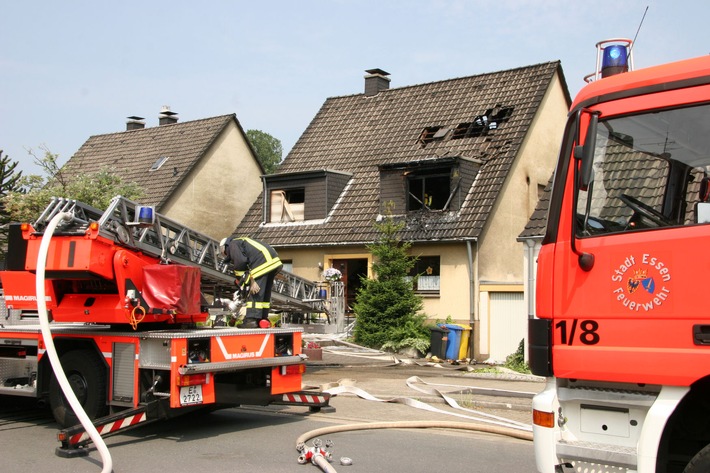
{"points": [[159, 162], [649, 171], [287, 265], [426, 274], [428, 189], [288, 205]]}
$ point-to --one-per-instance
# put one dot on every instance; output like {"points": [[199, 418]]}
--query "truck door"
{"points": [[631, 269]]}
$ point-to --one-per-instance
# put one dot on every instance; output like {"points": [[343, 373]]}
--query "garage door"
{"points": [[508, 322]]}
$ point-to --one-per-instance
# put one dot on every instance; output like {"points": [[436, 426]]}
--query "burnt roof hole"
{"points": [[482, 124], [432, 133]]}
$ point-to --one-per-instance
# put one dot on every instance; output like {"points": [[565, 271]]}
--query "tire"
{"points": [[700, 462], [87, 377]]}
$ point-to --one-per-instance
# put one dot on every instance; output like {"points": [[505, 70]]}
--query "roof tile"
{"points": [[358, 133], [130, 154]]}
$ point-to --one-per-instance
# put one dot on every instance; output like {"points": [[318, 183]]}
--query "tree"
{"points": [[9, 182], [387, 308], [267, 148], [95, 189]]}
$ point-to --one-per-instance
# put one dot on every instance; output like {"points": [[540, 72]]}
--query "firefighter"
{"points": [[255, 265]]}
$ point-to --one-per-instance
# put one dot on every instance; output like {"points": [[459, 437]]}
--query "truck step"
{"points": [[607, 396], [604, 454]]}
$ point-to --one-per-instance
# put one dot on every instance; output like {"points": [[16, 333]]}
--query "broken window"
{"points": [[288, 205], [428, 189]]}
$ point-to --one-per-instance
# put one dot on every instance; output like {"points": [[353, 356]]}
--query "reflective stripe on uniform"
{"points": [[270, 263], [258, 305]]}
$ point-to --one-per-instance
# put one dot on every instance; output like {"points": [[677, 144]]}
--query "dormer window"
{"points": [[305, 196], [428, 189], [427, 185], [288, 205]]}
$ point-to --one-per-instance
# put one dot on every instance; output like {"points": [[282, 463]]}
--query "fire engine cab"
{"points": [[621, 330]]}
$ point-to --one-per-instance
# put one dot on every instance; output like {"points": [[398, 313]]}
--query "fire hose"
{"points": [[498, 425], [52, 351]]}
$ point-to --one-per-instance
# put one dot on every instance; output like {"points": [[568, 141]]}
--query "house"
{"points": [[462, 162], [201, 173]]}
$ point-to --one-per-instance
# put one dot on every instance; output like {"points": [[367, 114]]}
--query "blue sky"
{"points": [[72, 69]]}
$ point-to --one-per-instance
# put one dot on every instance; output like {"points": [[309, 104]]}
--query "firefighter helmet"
{"points": [[223, 246]]}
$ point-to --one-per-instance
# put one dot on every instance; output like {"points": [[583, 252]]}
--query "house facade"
{"points": [[460, 162], [201, 173], [531, 237]]}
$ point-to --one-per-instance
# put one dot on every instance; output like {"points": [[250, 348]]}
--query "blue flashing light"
{"points": [[145, 215], [615, 60]]}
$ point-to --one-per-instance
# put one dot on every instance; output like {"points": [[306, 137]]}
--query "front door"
{"points": [[353, 270]]}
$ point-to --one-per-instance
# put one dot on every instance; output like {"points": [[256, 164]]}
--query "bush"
{"points": [[516, 361]]}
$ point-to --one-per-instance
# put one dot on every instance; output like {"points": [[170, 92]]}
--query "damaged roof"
{"points": [[362, 134], [158, 159]]}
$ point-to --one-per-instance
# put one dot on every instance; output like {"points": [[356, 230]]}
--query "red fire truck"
{"points": [[131, 294], [620, 331]]}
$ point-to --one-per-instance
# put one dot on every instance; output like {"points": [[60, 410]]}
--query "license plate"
{"points": [[190, 395]]}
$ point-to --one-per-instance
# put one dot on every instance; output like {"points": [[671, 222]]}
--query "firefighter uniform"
{"points": [[259, 261]]}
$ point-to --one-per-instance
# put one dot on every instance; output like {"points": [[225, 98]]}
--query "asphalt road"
{"points": [[264, 439]]}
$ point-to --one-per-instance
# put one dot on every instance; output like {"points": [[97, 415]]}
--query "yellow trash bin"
{"points": [[465, 338]]}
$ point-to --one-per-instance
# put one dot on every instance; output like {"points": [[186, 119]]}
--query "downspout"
{"points": [[531, 277], [263, 200], [472, 313], [472, 296], [531, 289]]}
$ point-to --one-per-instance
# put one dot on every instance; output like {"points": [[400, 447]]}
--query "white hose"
{"points": [[321, 462], [417, 424], [491, 429], [52, 351], [502, 426]]}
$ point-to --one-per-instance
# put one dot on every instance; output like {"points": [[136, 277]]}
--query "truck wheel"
{"points": [[700, 462], [86, 375]]}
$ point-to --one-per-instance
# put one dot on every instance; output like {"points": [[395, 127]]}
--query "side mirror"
{"points": [[585, 153]]}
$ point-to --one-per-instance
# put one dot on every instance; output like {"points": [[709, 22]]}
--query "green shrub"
{"points": [[387, 308], [516, 361]]}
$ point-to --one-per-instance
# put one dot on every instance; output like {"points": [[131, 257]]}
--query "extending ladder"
{"points": [[131, 225]]}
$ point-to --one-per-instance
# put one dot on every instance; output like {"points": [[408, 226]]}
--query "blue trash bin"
{"points": [[454, 341]]}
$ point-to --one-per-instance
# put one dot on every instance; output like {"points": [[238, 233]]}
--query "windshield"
{"points": [[650, 171]]}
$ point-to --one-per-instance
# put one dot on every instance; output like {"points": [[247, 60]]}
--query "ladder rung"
{"points": [[169, 240]]}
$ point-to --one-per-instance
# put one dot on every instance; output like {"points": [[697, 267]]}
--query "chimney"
{"points": [[135, 123], [375, 81], [167, 117]]}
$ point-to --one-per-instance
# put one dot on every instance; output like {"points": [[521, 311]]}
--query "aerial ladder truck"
{"points": [[132, 296]]}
